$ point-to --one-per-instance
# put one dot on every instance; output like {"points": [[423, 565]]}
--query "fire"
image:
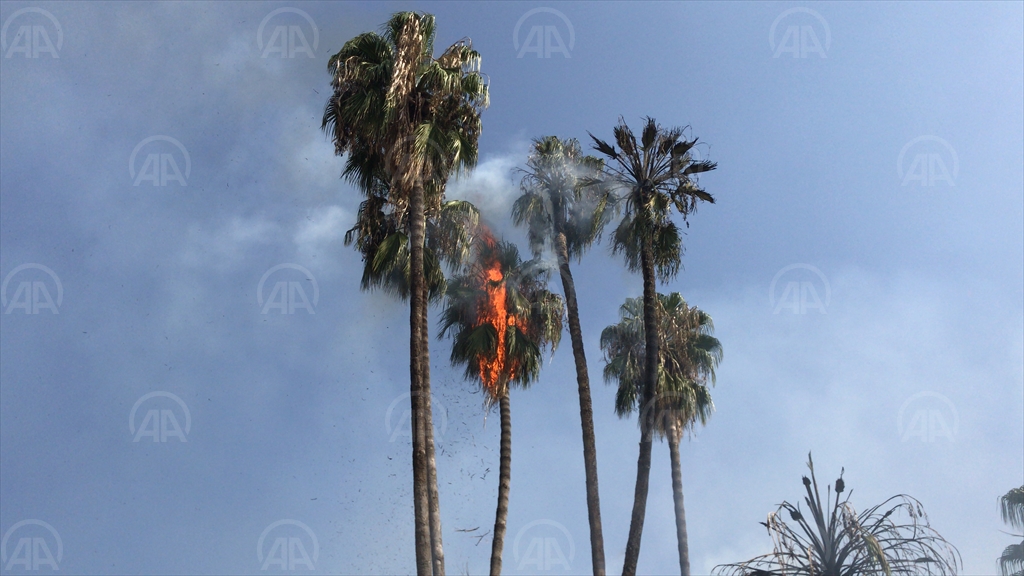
{"points": [[495, 372]]}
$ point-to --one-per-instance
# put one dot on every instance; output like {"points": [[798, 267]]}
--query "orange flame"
{"points": [[495, 372]]}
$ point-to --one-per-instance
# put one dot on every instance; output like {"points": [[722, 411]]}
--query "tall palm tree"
{"points": [[563, 213], [689, 356], [398, 110], [1011, 506], [654, 176], [500, 317], [841, 542]]}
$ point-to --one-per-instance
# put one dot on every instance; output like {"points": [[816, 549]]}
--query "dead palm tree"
{"points": [[653, 176], [500, 317], [841, 542], [562, 213], [398, 110], [689, 356]]}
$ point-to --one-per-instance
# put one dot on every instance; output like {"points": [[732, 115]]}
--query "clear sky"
{"points": [[877, 146]]}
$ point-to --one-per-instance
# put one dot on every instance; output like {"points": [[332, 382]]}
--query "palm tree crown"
{"points": [[500, 317], [655, 175], [561, 194], [689, 356], [841, 542]]}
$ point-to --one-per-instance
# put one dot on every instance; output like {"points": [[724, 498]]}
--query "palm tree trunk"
{"points": [[504, 480], [643, 465], [677, 497], [434, 506], [586, 408], [417, 309]]}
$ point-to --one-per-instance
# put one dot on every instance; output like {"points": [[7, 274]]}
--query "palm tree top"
{"points": [[654, 176], [501, 316], [689, 355], [397, 111], [562, 194], [661, 161], [837, 541]]}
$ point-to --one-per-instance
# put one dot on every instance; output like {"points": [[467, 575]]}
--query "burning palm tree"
{"points": [[500, 317]]}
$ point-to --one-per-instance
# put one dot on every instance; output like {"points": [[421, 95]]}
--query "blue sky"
{"points": [[880, 146]]}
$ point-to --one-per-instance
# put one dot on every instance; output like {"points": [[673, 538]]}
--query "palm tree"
{"points": [[844, 543], [563, 213], [397, 110], [689, 356], [1011, 506], [654, 176], [500, 317]]}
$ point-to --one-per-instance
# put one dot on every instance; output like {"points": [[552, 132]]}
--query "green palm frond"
{"points": [[689, 356], [399, 114]]}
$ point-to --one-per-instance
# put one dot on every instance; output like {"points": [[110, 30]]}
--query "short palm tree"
{"points": [[398, 110], [500, 317], [689, 356], [654, 176], [563, 214], [1011, 506], [836, 541]]}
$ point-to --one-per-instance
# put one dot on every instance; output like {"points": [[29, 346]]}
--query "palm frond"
{"points": [[689, 355], [837, 540]]}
